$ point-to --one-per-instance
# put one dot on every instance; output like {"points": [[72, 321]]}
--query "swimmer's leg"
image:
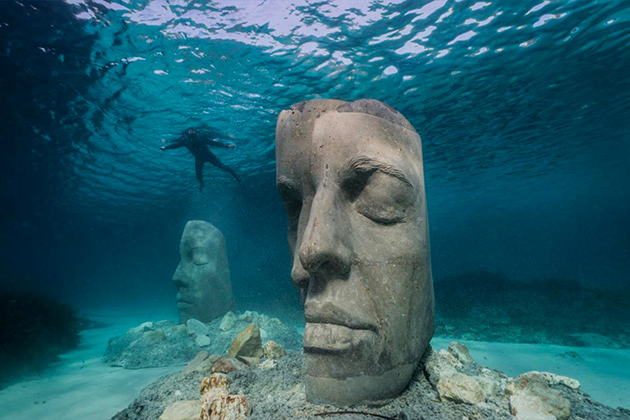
{"points": [[199, 172], [216, 162], [228, 169]]}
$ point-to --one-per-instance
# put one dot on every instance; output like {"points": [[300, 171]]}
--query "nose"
{"points": [[179, 278], [324, 249]]}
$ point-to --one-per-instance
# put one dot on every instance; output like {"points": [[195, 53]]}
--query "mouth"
{"points": [[325, 334], [183, 302], [327, 338], [342, 321]]}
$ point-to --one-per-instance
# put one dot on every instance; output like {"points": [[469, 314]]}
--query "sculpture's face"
{"points": [[353, 188], [202, 277]]}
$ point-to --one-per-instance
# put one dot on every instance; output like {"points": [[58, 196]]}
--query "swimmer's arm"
{"points": [[213, 142], [174, 145]]}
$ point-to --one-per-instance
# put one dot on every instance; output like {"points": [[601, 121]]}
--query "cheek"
{"points": [[395, 244], [391, 288]]}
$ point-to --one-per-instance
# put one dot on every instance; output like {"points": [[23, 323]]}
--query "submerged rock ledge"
{"points": [[165, 343], [450, 386]]}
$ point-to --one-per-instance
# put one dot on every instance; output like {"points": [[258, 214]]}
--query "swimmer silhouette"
{"points": [[197, 143]]}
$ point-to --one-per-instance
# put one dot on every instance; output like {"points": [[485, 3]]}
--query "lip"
{"points": [[184, 301], [327, 338], [331, 329], [343, 321], [329, 313]]}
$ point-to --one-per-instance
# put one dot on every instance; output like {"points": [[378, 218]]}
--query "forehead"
{"points": [[198, 236], [332, 138]]}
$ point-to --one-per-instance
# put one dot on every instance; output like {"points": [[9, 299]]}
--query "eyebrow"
{"points": [[365, 164]]}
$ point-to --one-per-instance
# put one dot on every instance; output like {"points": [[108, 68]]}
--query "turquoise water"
{"points": [[522, 107]]}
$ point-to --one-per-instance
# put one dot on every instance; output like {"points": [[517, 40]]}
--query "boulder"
{"points": [[182, 410], [227, 365], [247, 343], [164, 343], [249, 316], [196, 327], [216, 380], [460, 388], [201, 363], [273, 350], [218, 404], [268, 364], [147, 346], [154, 335], [456, 377], [228, 321], [202, 340], [460, 352], [551, 379], [145, 326], [532, 399]]}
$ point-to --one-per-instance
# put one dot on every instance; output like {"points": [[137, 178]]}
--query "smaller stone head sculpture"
{"points": [[202, 278], [351, 179]]}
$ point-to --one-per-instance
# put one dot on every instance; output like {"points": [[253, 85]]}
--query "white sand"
{"points": [[82, 387]]}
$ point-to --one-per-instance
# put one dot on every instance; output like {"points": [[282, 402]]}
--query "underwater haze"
{"points": [[523, 108]]}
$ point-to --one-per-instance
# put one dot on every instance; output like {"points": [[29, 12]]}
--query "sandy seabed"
{"points": [[82, 387]]}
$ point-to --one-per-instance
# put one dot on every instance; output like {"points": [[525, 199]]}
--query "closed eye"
{"points": [[378, 191]]}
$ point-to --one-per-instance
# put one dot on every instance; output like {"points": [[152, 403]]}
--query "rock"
{"points": [[182, 410], [551, 378], [492, 383], [247, 343], [437, 366], [154, 335], [273, 350], [217, 404], [248, 316], [279, 393], [216, 380], [271, 323], [145, 326], [462, 383], [228, 364], [144, 347], [196, 327], [165, 343], [534, 400], [200, 362], [228, 321], [263, 334], [268, 364], [460, 352], [202, 340], [451, 358], [460, 388], [249, 361], [180, 328]]}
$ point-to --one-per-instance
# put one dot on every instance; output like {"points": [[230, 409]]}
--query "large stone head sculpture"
{"points": [[351, 179], [202, 278]]}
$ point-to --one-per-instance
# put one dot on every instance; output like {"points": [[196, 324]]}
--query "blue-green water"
{"points": [[523, 108]]}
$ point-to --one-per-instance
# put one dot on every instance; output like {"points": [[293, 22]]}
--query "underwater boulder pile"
{"points": [[165, 343], [448, 385]]}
